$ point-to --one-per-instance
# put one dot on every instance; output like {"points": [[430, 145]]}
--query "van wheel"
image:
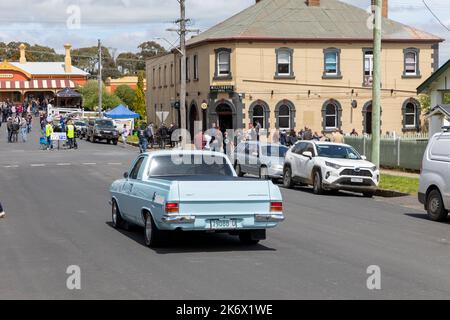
{"points": [[435, 206], [287, 178], [317, 183], [116, 217], [238, 170]]}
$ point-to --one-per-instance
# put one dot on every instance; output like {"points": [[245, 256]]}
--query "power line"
{"points": [[435, 16]]}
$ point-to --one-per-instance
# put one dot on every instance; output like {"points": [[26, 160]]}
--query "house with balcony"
{"points": [[287, 64]]}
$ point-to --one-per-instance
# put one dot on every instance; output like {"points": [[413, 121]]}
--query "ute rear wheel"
{"points": [[152, 235]]}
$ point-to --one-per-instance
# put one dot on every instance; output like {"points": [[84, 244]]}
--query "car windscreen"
{"points": [[104, 123], [338, 152], [274, 151], [189, 165]]}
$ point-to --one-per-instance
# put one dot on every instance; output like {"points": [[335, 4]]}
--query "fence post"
{"points": [[364, 145], [398, 151]]}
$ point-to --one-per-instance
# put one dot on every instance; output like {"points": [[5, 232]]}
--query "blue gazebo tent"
{"points": [[121, 112]]}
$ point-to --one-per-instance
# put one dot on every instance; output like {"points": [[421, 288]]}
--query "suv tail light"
{"points": [[172, 207], [276, 206]]}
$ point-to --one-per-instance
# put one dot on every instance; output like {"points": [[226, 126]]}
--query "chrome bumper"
{"points": [[178, 219], [269, 217]]}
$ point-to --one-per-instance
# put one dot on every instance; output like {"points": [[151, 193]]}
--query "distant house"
{"points": [[40, 80], [436, 86], [131, 81], [289, 64]]}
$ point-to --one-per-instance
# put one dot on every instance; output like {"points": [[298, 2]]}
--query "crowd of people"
{"points": [[18, 120]]}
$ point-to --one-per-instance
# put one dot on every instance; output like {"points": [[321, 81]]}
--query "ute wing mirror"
{"points": [[126, 175]]}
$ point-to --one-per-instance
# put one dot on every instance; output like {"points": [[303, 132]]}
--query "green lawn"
{"points": [[400, 184], [133, 139]]}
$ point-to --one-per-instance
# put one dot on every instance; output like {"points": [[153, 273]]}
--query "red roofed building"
{"points": [[22, 80]]}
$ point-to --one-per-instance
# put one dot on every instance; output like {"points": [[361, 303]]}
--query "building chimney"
{"points": [[384, 8], [313, 3], [22, 59], [67, 59]]}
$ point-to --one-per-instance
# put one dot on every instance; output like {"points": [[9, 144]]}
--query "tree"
{"points": [[87, 60], [139, 100], [425, 102], [149, 49], [128, 63], [90, 96], [126, 94]]}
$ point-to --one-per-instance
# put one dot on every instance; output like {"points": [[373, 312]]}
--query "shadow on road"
{"points": [[424, 216], [194, 242]]}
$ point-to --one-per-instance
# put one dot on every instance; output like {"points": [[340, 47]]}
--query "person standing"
{"points": [[48, 135], [151, 135], [9, 127], [23, 129], [70, 135], [143, 142], [125, 133], [2, 211]]}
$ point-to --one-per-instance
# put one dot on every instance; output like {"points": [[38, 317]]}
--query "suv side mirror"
{"points": [[126, 175], [308, 154]]}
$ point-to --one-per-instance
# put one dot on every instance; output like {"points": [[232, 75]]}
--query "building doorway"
{"points": [[193, 117], [225, 117], [368, 119]]}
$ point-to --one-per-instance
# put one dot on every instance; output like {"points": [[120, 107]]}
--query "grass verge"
{"points": [[400, 184]]}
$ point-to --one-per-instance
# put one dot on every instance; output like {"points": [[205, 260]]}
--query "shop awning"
{"points": [[68, 93], [36, 84]]}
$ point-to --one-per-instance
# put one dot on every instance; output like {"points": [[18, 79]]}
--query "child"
{"points": [[2, 213]]}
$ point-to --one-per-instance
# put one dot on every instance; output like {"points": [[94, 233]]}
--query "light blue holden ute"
{"points": [[170, 191]]}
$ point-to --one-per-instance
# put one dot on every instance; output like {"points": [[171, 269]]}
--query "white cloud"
{"points": [[124, 24]]}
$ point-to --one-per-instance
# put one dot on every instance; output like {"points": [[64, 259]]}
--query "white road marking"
{"points": [[37, 165], [63, 164], [12, 166], [89, 163]]}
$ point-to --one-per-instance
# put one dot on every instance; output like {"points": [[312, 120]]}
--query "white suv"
{"points": [[329, 166], [434, 188]]}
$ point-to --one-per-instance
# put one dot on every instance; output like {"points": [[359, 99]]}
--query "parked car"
{"points": [[80, 128], [434, 186], [261, 159], [168, 191], [102, 129], [330, 166]]}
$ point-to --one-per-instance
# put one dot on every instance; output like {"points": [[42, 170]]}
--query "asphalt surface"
{"points": [[58, 215]]}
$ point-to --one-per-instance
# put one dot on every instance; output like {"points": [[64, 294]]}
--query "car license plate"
{"points": [[357, 180], [222, 224]]}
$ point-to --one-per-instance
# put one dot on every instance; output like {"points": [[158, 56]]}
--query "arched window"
{"points": [[223, 63], [411, 56], [258, 116], [259, 113], [284, 117], [331, 113], [411, 115]]}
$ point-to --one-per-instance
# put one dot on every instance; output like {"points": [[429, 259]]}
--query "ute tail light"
{"points": [[276, 206], [172, 207]]}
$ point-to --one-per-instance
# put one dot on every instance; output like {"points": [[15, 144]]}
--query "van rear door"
{"points": [[439, 155]]}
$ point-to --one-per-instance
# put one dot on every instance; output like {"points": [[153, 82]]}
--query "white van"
{"points": [[434, 189]]}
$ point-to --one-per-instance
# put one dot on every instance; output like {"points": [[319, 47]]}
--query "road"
{"points": [[58, 215]]}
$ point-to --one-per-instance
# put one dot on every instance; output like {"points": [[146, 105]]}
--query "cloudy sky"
{"points": [[124, 24]]}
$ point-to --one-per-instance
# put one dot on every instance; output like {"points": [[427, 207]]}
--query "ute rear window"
{"points": [[104, 123], [165, 166]]}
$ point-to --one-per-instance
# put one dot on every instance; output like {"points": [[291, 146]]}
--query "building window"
{"points": [[411, 115], [223, 64], [165, 75], [195, 67], [411, 69], [259, 112], [159, 77], [284, 65], [188, 69], [285, 115], [171, 75], [331, 63], [154, 77], [331, 113], [368, 67]]}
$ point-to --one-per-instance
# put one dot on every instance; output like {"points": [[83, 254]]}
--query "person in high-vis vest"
{"points": [[48, 135], [71, 135]]}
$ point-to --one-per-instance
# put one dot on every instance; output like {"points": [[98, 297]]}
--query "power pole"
{"points": [[100, 82], [182, 31], [376, 86], [183, 71]]}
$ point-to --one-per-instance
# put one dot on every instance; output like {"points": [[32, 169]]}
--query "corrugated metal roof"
{"points": [[47, 68], [294, 19]]}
